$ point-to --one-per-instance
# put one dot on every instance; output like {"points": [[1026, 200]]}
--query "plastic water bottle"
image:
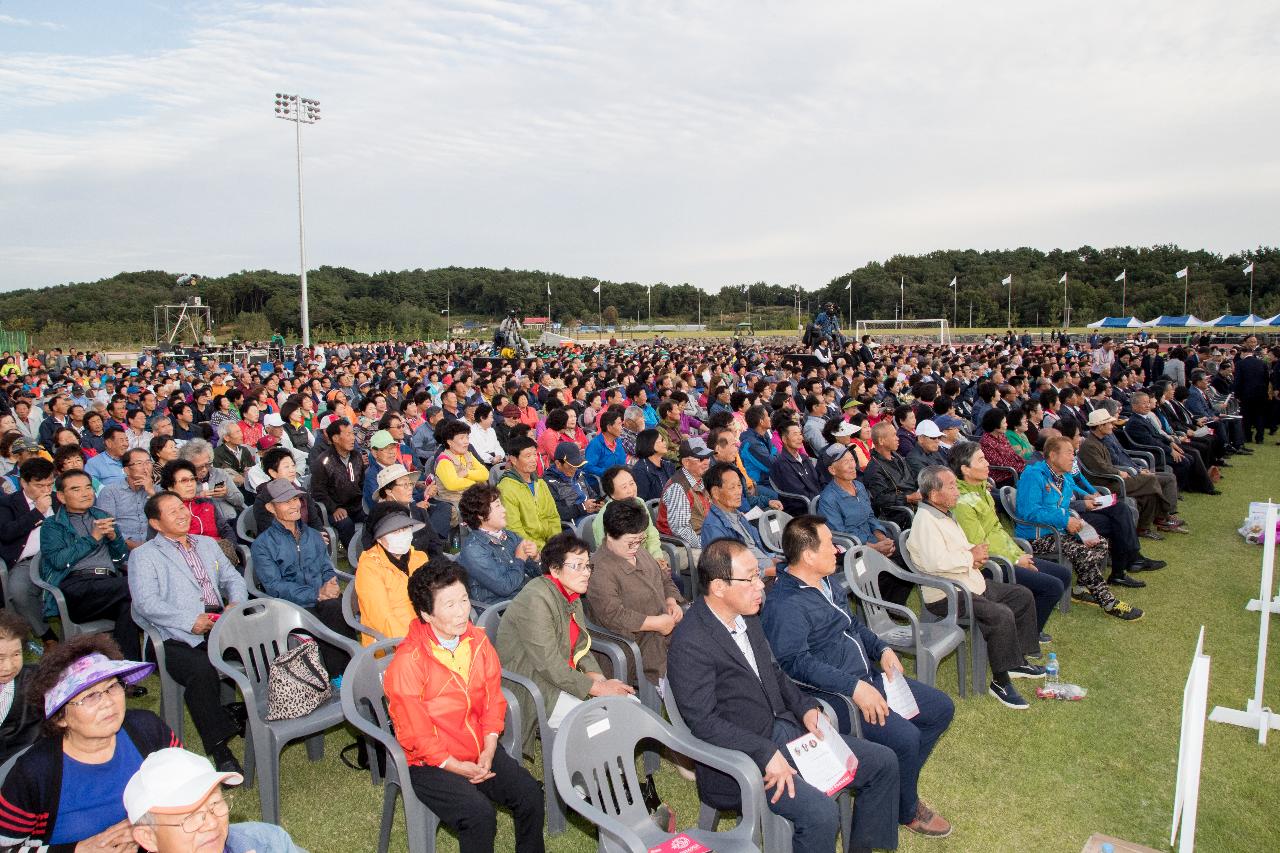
{"points": [[1051, 670]]}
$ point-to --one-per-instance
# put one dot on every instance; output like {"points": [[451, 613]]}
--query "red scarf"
{"points": [[574, 629]]}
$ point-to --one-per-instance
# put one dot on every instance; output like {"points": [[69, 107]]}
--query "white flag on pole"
{"points": [[596, 289], [1248, 269], [1007, 279], [953, 281], [849, 286], [1063, 280], [1122, 275], [1182, 273], [548, 288]]}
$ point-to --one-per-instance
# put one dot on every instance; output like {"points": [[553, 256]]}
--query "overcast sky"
{"points": [[707, 142]]}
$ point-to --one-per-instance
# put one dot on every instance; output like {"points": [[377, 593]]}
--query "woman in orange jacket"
{"points": [[444, 689]]}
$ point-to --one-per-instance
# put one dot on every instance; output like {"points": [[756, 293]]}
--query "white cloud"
{"points": [[711, 142]]}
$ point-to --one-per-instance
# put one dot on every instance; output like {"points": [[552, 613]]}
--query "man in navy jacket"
{"points": [[731, 693], [818, 641]]}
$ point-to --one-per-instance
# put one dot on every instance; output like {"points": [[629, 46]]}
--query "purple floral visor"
{"points": [[88, 671]]}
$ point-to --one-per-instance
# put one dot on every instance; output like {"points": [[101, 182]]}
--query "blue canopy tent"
{"points": [[1177, 321], [1233, 320], [1266, 321], [1117, 323]]}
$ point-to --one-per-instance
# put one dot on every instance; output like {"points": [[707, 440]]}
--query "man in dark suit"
{"points": [[21, 515], [1250, 388], [1143, 429], [731, 693]]}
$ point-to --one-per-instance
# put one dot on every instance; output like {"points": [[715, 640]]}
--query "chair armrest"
{"points": [[539, 704], [830, 697], [1001, 570], [513, 725]]}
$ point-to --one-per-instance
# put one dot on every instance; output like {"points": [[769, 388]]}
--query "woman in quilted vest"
{"points": [[444, 689]]}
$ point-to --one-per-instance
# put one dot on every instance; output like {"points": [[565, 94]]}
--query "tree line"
{"points": [[347, 304]]}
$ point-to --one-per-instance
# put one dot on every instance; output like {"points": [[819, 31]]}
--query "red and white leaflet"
{"points": [[680, 844], [827, 764]]}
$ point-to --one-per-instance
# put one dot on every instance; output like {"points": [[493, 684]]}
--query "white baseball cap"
{"points": [[928, 429], [845, 429], [172, 781]]}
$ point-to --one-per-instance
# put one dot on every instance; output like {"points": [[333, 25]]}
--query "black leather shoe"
{"points": [[1125, 580], [1146, 564]]}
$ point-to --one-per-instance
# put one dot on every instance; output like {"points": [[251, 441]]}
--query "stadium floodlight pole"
{"points": [[650, 309], [300, 111]]}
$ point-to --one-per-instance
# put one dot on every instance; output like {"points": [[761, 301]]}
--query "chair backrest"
{"points": [[584, 531], [489, 619], [356, 547], [1009, 500], [351, 613], [863, 566], [250, 581], [771, 524], [258, 632], [247, 525], [653, 505], [496, 472]]}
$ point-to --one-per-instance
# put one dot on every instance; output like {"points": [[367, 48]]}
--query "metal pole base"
{"points": [[1253, 717]]}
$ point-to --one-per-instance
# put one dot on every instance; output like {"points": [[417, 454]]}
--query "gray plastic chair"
{"points": [[593, 768], [351, 613], [977, 643], [8, 765], [555, 814], [247, 525], [364, 705], [928, 642], [171, 692], [69, 628], [774, 830], [771, 523], [682, 559], [250, 581], [496, 472], [584, 532], [258, 632]]}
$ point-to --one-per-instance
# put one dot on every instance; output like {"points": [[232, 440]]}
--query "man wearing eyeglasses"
{"points": [[177, 804], [732, 693]]}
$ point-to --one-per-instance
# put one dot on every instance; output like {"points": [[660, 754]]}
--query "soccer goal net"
{"points": [[904, 331]]}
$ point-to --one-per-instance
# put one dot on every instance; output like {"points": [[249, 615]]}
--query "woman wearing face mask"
{"points": [[382, 575]]}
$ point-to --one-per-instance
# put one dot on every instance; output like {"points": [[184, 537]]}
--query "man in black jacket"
{"points": [[337, 479], [888, 478], [1251, 389], [21, 515], [732, 693]]}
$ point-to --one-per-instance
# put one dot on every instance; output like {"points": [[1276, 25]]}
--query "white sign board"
{"points": [[1186, 795]]}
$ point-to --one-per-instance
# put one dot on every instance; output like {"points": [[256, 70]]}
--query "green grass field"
{"points": [[1042, 779]]}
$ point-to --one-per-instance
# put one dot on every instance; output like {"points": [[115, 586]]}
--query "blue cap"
{"points": [[948, 422]]}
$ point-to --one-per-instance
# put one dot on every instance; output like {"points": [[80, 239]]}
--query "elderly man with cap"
{"points": [[573, 495], [1155, 505], [685, 502], [928, 450], [951, 428], [291, 561], [175, 803], [273, 431], [384, 450], [181, 584]]}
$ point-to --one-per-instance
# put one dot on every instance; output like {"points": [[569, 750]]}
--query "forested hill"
{"points": [[411, 303]]}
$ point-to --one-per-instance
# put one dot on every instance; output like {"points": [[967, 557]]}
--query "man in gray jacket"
{"points": [[181, 584]]}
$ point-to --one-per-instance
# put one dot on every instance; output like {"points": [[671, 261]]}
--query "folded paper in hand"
{"points": [[1104, 501], [827, 764], [899, 696]]}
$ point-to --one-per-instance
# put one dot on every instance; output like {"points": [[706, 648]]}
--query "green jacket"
{"points": [[976, 515], [531, 515], [533, 641], [61, 547]]}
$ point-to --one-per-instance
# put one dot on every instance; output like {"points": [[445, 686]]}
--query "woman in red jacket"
{"points": [[444, 689]]}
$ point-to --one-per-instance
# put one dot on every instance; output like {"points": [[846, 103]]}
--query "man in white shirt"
{"points": [[1004, 613]]}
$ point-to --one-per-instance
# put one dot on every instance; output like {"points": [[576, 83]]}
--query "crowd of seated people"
{"points": [[131, 488]]}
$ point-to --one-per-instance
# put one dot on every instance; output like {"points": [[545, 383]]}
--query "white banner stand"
{"points": [[1186, 795], [1256, 715]]}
